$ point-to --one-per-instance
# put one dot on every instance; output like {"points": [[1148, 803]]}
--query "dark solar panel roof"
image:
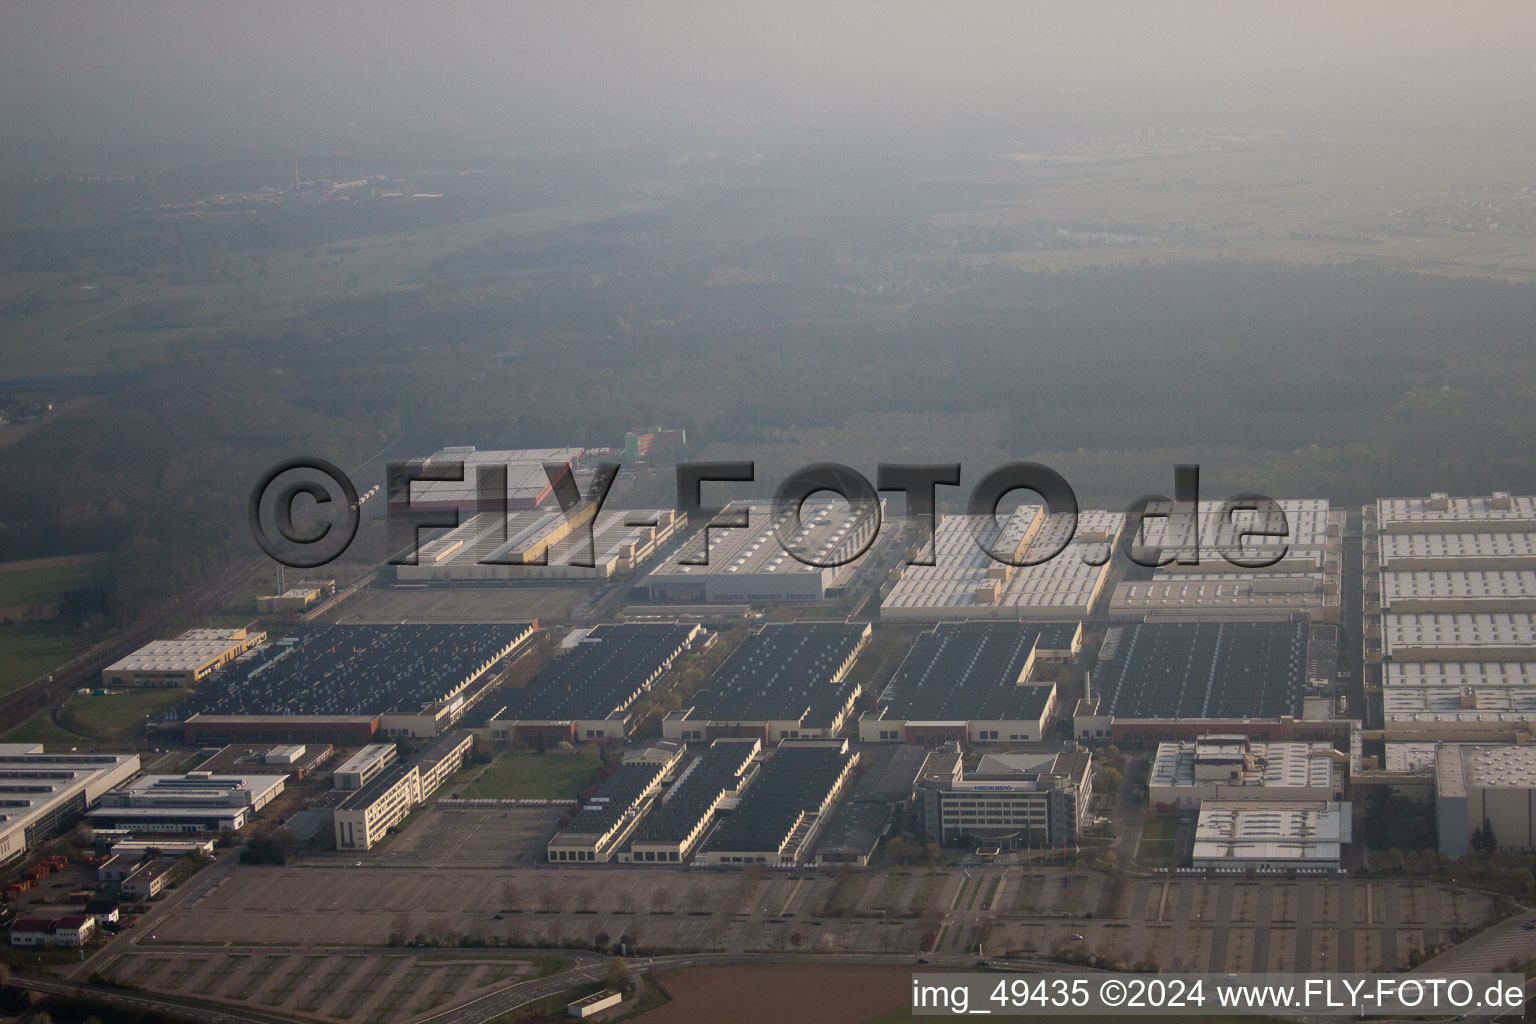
{"points": [[967, 672], [794, 780], [1205, 670], [690, 799], [613, 799], [601, 676], [783, 672], [354, 670], [1050, 636]]}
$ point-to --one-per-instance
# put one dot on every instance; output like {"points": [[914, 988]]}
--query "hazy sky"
{"points": [[117, 69]]}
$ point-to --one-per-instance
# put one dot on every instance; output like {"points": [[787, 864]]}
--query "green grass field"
{"points": [[40, 728], [20, 587], [109, 717], [30, 650], [1158, 838], [525, 776], [85, 719]]}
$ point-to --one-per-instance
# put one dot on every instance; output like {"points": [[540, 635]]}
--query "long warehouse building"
{"points": [[970, 681], [783, 811], [788, 680], [756, 564], [585, 694]]}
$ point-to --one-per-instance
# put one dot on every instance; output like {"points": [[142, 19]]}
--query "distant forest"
{"points": [[751, 321]]}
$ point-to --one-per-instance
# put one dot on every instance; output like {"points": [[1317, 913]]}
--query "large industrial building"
{"points": [[1271, 835], [584, 695], [194, 802], [1188, 772], [1450, 615], [777, 821], [1008, 801], [1458, 693], [604, 823], [683, 816], [184, 661], [545, 544], [528, 483], [967, 582], [346, 684], [40, 792], [970, 681], [1198, 583], [1163, 680], [788, 680], [1458, 636], [756, 564], [1485, 783]]}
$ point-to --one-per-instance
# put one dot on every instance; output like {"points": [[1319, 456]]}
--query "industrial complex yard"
{"points": [[465, 813]]}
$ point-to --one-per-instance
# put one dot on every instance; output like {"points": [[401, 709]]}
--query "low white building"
{"points": [[194, 802], [1187, 772], [74, 930], [1271, 835]]}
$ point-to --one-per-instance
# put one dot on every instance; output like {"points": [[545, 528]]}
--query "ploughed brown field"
{"points": [[778, 993]]}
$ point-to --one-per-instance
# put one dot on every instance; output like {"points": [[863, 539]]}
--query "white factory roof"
{"points": [[36, 786], [370, 754], [1287, 763], [1305, 527], [1519, 509], [1484, 766], [1410, 547], [1456, 674], [1406, 705], [489, 537], [526, 479], [1459, 691], [211, 634], [1458, 585], [1067, 582], [187, 653], [1271, 831], [1512, 718], [1237, 591], [1410, 756], [827, 532], [194, 785], [1452, 630]]}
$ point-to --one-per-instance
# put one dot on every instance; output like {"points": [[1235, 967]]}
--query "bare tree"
{"points": [[400, 930], [443, 933]]}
